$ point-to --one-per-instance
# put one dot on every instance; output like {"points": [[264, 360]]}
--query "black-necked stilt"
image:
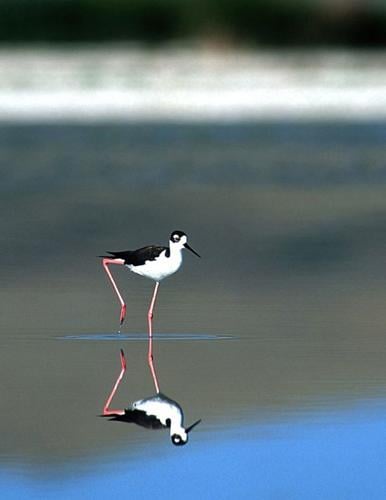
{"points": [[155, 412], [154, 262]]}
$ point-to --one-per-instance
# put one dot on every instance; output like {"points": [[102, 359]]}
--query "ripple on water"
{"points": [[138, 337]]}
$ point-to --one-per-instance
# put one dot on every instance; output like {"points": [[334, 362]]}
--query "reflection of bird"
{"points": [[154, 262], [155, 412]]}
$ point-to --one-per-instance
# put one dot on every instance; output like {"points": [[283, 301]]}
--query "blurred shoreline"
{"points": [[127, 84]]}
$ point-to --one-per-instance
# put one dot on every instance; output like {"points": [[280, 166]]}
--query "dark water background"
{"points": [[275, 338]]}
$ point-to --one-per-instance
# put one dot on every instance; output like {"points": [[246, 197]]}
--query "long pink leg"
{"points": [[150, 351], [106, 409], [106, 262]]}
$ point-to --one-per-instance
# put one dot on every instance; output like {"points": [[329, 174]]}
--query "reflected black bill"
{"points": [[188, 429], [191, 249]]}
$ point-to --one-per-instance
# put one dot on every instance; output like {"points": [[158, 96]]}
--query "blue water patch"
{"points": [[143, 337], [341, 455]]}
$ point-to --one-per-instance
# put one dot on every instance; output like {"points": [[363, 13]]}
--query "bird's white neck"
{"points": [[175, 248], [176, 428]]}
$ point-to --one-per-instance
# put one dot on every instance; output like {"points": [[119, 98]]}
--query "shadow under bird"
{"points": [[155, 412], [154, 262]]}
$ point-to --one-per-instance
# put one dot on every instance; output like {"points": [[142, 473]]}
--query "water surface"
{"points": [[281, 321]]}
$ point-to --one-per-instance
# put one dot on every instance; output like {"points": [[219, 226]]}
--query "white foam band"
{"points": [[123, 84]]}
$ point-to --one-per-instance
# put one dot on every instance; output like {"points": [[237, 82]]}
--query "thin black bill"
{"points": [[191, 249]]}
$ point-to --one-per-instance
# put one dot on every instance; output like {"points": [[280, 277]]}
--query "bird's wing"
{"points": [[140, 256], [139, 417]]}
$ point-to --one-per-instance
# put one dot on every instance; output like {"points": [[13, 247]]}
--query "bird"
{"points": [[154, 262], [154, 412]]}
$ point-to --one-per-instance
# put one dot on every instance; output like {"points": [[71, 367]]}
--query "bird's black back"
{"points": [[140, 418], [140, 256]]}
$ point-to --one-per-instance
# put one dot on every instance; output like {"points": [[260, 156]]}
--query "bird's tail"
{"points": [[116, 255]]}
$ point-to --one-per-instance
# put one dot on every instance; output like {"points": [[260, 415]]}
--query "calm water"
{"points": [[275, 338]]}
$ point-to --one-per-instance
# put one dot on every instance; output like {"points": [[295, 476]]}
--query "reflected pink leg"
{"points": [[106, 262], [106, 409], [150, 351]]}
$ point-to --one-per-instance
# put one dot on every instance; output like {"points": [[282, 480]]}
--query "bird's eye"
{"points": [[177, 440], [176, 238]]}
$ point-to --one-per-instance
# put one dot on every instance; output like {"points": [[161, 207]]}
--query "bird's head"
{"points": [[180, 436], [179, 240]]}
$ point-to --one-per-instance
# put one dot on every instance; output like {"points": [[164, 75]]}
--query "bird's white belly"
{"points": [[162, 410], [160, 268]]}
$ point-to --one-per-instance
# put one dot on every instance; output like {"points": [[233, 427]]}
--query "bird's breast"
{"points": [[159, 268]]}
